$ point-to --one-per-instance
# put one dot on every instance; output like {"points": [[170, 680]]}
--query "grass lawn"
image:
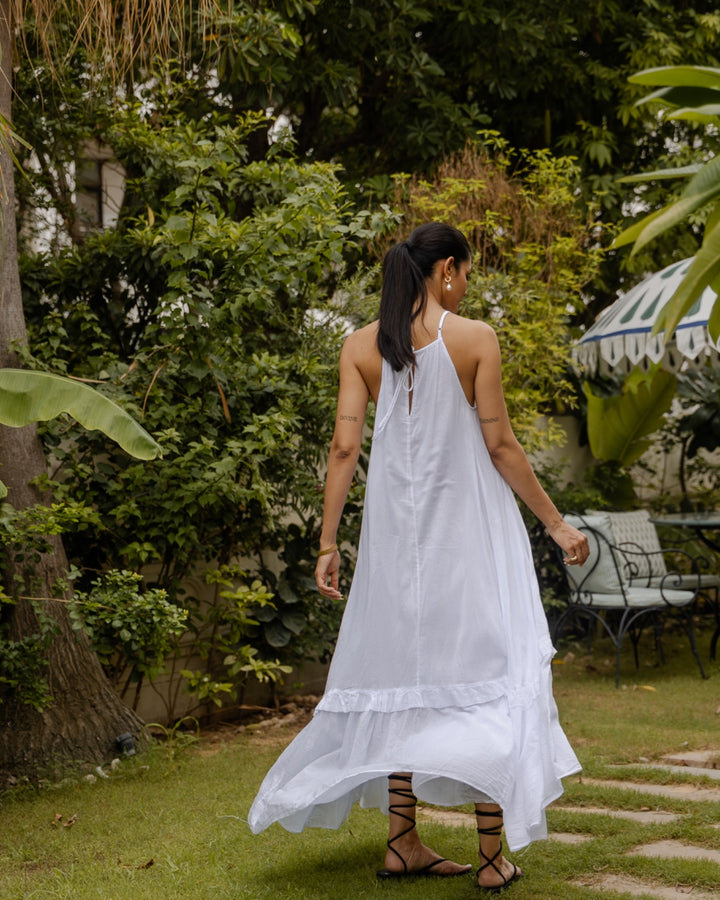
{"points": [[171, 824]]}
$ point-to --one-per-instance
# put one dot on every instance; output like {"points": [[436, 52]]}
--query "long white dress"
{"points": [[443, 661]]}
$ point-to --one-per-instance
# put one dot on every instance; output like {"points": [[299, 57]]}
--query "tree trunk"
{"points": [[85, 716]]}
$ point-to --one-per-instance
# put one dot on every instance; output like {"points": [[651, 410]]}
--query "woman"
{"points": [[440, 686]]}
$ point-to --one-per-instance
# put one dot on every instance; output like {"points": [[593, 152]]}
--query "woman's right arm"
{"points": [[345, 447]]}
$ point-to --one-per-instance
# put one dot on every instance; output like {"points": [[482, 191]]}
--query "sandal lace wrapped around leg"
{"points": [[495, 831], [396, 809]]}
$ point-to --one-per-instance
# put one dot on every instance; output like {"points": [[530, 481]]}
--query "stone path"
{"points": [[604, 885]]}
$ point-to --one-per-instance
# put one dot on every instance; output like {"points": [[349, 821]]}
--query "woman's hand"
{"points": [[573, 542], [328, 567]]}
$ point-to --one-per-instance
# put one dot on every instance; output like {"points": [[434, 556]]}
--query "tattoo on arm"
{"points": [[494, 419], [348, 418]]}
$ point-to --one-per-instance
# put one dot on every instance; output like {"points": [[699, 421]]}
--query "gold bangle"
{"points": [[327, 550]]}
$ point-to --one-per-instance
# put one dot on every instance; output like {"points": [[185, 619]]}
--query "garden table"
{"points": [[699, 522], [703, 525]]}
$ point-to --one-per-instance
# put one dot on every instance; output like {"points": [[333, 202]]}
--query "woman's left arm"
{"points": [[345, 447], [509, 457]]}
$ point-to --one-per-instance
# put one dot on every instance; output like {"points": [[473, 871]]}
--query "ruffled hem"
{"points": [[515, 757], [438, 696], [399, 699]]}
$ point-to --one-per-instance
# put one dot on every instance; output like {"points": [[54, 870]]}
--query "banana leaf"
{"points": [[662, 174], [681, 96], [679, 76], [27, 396], [703, 187], [619, 426], [707, 114], [704, 270]]}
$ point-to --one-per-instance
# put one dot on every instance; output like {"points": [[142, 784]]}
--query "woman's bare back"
{"points": [[465, 340]]}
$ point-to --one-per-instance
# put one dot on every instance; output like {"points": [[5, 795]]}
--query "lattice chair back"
{"points": [[633, 529]]}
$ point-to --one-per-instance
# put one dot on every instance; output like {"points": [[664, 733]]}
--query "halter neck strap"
{"points": [[440, 324]]}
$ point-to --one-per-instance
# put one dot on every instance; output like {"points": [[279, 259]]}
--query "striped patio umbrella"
{"points": [[620, 337]]}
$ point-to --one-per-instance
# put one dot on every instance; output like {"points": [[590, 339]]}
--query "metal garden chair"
{"points": [[613, 590]]}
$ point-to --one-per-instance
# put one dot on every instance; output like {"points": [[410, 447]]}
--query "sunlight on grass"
{"points": [[172, 824]]}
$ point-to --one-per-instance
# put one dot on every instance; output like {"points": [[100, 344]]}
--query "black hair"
{"points": [[405, 268]]}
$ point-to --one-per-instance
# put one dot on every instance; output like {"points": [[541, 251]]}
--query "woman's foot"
{"points": [[409, 856], [406, 854], [497, 875], [495, 872]]}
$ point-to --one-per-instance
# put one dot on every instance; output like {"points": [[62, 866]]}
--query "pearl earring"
{"points": [[448, 283]]}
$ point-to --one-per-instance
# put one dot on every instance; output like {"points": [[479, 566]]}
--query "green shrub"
{"points": [[129, 627]]}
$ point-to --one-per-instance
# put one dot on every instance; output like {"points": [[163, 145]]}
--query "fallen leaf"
{"points": [[71, 821], [58, 818], [648, 687]]}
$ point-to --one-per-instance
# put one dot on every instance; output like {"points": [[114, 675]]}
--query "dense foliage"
{"points": [[208, 313], [25, 537], [397, 87]]}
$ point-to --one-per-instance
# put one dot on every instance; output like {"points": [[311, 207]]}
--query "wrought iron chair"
{"points": [[611, 589], [634, 529]]}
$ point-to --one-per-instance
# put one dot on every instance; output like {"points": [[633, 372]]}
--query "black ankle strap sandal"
{"points": [[396, 809], [495, 831]]}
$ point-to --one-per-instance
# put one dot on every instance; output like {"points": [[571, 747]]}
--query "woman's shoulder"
{"points": [[360, 355], [470, 331], [362, 341]]}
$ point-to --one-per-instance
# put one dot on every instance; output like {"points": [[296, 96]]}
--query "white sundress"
{"points": [[443, 661]]}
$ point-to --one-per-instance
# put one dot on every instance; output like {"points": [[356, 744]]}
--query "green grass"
{"points": [[185, 810]]}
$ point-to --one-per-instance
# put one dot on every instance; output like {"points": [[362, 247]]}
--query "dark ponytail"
{"points": [[404, 294]]}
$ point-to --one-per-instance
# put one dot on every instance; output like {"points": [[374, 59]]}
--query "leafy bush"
{"points": [[23, 661], [25, 535], [222, 637], [128, 627], [208, 312]]}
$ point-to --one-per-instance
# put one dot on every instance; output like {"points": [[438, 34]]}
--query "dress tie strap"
{"points": [[406, 381]]}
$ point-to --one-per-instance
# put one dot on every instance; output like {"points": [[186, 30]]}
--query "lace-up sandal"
{"points": [[396, 809], [495, 831]]}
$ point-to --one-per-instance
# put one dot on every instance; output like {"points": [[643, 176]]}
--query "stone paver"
{"points": [[673, 791], [643, 816], [687, 769], [674, 849], [634, 886], [452, 817], [568, 837], [701, 759], [686, 763]]}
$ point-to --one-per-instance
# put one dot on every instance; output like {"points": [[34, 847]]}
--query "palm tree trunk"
{"points": [[85, 716]]}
